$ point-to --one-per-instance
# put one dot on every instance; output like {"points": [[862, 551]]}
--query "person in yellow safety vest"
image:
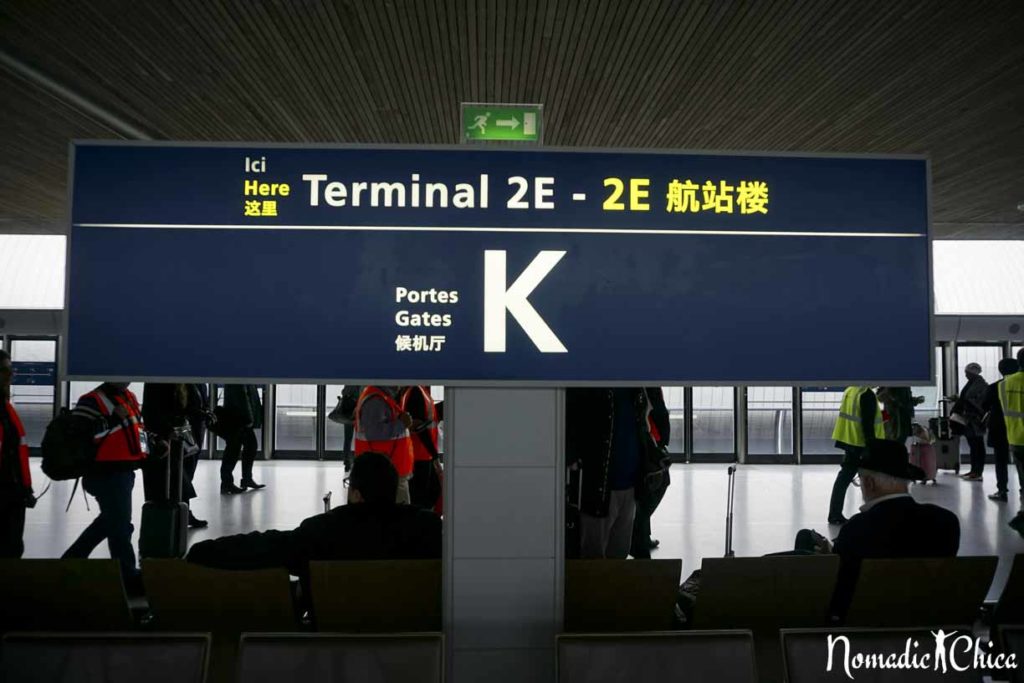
{"points": [[1011, 398], [859, 423]]}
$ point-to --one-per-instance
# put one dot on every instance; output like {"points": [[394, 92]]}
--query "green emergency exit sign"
{"points": [[501, 122]]}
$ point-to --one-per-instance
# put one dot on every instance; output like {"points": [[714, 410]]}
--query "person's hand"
{"points": [[823, 547], [161, 449], [406, 419], [121, 412]]}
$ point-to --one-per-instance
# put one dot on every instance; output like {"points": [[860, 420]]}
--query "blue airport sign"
{"points": [[488, 266]]}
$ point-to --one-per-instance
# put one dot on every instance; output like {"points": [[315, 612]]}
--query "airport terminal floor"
{"points": [[773, 502]]}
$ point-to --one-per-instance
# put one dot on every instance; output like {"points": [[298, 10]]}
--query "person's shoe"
{"points": [[250, 484], [998, 496], [196, 523], [1017, 523], [230, 489], [653, 543], [837, 520], [972, 476]]}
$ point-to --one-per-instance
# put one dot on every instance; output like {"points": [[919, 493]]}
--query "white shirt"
{"points": [[881, 499]]}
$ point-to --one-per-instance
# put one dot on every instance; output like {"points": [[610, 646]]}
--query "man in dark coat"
{"points": [[891, 523], [243, 411], [967, 407], [996, 425], [607, 433], [371, 527]]}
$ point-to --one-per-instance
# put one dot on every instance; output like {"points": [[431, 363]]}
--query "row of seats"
{"points": [[695, 656], [601, 595], [348, 597], [786, 591], [187, 658]]}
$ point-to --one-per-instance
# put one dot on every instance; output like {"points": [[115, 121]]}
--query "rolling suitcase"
{"points": [[947, 445], [922, 454], [164, 529]]}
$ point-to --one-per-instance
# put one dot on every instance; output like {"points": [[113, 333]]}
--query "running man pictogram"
{"points": [[480, 122]]}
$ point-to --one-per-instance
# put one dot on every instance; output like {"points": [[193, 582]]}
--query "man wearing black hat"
{"points": [[891, 523]]}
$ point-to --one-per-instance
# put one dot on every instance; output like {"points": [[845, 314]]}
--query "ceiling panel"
{"points": [[945, 79]]}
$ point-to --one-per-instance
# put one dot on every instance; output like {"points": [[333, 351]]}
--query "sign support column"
{"points": [[504, 528]]}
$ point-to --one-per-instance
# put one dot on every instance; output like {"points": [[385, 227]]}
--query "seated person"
{"points": [[371, 527], [891, 524]]}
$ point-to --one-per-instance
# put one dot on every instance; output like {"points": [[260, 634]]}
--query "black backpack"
{"points": [[68, 447], [345, 411]]}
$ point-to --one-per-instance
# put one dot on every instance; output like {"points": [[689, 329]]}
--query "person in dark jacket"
{"points": [[164, 408], [371, 527], [244, 412], [968, 407], [15, 478], [996, 426], [606, 434], [891, 523]]}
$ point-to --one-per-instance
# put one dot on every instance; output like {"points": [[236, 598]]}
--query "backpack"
{"points": [[68, 447], [345, 412]]}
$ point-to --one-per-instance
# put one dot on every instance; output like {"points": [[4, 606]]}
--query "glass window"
{"points": [[931, 394], [986, 356], [770, 420], [713, 429], [33, 387], [820, 408], [675, 402], [295, 418]]}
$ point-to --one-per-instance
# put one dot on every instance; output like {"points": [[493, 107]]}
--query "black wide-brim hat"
{"points": [[892, 458]]}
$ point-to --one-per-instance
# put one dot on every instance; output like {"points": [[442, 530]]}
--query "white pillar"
{"points": [[504, 544]]}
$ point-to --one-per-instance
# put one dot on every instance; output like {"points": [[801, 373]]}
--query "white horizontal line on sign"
{"points": [[586, 231]]}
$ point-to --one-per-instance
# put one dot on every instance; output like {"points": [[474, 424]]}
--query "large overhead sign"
{"points": [[468, 265]]}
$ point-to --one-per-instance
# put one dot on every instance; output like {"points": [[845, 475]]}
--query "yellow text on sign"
{"points": [[638, 193]]}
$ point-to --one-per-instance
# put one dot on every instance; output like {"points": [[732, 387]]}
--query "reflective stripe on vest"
{"points": [[1011, 398], [399, 448], [118, 444], [420, 452], [19, 434], [849, 429]]}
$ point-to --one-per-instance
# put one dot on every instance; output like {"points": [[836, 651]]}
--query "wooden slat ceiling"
{"points": [[943, 78]]}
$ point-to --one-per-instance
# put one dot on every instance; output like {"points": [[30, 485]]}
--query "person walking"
{"points": [[967, 411], [1011, 400], [244, 412], [15, 477], [121, 448], [858, 425], [996, 427]]}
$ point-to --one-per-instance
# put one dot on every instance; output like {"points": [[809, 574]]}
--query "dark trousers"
{"points": [[12, 527], [346, 446], [1002, 452], [640, 545], [847, 471], [977, 446], [113, 493], [242, 443]]}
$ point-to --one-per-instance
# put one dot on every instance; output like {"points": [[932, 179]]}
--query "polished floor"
{"points": [[772, 503]]}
